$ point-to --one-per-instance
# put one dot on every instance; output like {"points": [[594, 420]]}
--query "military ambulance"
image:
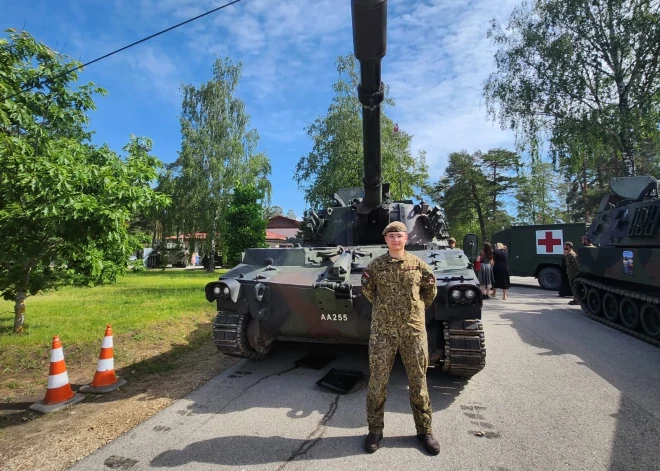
{"points": [[538, 250]]}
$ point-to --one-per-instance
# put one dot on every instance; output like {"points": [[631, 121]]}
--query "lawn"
{"points": [[153, 314]]}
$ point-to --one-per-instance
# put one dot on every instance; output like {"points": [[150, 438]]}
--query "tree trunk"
{"points": [[211, 268], [494, 188], [19, 312], [584, 189], [477, 204]]}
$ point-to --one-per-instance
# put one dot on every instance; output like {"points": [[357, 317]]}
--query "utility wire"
{"points": [[124, 48]]}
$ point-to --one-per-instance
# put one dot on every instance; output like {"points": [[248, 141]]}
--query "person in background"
{"points": [[586, 242], [452, 243], [485, 274], [565, 286], [572, 269], [501, 276]]}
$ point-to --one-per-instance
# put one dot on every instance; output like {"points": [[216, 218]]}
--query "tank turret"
{"points": [[357, 216], [619, 277]]}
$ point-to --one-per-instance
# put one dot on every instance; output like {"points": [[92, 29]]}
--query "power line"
{"points": [[124, 48]]}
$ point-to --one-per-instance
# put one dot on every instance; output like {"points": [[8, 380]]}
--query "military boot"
{"points": [[430, 443], [371, 442]]}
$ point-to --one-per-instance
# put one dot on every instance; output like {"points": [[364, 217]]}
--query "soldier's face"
{"points": [[396, 240]]}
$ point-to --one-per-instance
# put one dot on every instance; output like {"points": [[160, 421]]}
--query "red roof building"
{"points": [[283, 225]]}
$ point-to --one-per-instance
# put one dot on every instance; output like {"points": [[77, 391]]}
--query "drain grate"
{"points": [[340, 380]]}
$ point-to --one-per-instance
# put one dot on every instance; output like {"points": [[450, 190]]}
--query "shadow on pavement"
{"points": [[628, 364], [443, 389], [250, 450], [337, 411]]}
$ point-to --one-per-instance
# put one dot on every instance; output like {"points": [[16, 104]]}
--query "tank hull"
{"points": [[282, 299], [619, 279]]}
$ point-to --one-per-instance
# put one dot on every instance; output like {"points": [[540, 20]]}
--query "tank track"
{"points": [[229, 336], [621, 292], [465, 348]]}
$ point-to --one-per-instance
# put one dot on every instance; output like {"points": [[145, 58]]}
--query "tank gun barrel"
{"points": [[370, 44]]}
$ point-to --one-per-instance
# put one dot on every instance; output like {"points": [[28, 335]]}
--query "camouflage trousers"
{"points": [[571, 282], [413, 348]]}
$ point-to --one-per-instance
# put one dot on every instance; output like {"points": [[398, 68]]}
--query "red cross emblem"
{"points": [[549, 242]]}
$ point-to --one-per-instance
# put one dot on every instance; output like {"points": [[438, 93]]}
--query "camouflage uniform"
{"points": [[400, 291], [572, 269]]}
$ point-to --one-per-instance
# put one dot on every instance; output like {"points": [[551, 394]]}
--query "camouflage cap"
{"points": [[451, 239], [395, 226]]}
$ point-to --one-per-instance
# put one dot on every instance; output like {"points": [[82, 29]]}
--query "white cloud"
{"points": [[156, 73], [437, 62], [438, 59]]}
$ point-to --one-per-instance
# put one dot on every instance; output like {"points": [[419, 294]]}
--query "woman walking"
{"points": [[486, 271], [501, 277]]}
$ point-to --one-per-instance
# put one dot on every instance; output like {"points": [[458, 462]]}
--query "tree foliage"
{"points": [[65, 205], [471, 191], [336, 158], [272, 211], [218, 150], [537, 196], [586, 73], [245, 226]]}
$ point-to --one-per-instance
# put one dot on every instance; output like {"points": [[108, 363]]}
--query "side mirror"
{"points": [[471, 247]]}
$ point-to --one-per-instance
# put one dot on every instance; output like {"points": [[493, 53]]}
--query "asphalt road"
{"points": [[559, 391]]}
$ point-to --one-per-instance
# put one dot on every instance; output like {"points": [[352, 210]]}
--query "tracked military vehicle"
{"points": [[619, 279], [312, 293]]}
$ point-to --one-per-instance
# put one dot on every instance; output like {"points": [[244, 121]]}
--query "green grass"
{"points": [[148, 312]]}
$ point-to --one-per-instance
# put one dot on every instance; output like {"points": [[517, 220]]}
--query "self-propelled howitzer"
{"points": [[619, 278], [311, 292]]}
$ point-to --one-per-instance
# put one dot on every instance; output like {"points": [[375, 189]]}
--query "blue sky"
{"points": [[437, 60]]}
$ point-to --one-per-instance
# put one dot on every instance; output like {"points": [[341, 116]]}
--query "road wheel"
{"points": [[650, 318], [611, 307], [550, 278], [629, 311], [581, 291], [594, 302]]}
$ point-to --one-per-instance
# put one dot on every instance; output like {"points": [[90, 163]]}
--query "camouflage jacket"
{"points": [[400, 291], [572, 264]]}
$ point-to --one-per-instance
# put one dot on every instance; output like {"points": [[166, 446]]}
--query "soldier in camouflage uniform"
{"points": [[400, 286], [572, 269]]}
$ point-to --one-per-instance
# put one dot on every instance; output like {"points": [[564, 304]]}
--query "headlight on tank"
{"points": [[455, 294], [221, 290], [470, 294]]}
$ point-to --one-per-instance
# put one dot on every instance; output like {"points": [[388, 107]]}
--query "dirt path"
{"points": [[31, 441]]}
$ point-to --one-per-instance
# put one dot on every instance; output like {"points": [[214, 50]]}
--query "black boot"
{"points": [[371, 442], [430, 443]]}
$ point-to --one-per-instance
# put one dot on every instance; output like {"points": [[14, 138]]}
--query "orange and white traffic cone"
{"points": [[105, 379], [58, 393]]}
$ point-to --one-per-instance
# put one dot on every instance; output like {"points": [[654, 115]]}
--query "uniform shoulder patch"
{"points": [[364, 279]]}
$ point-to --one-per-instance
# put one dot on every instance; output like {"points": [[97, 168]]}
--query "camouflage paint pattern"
{"points": [[619, 278], [312, 291], [400, 291]]}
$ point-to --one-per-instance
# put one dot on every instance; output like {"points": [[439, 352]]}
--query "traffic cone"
{"points": [[105, 379], [58, 393]]}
